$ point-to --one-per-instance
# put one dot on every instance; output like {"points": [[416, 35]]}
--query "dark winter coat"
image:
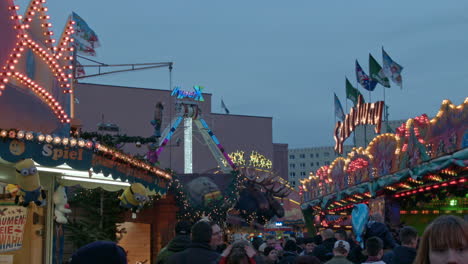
{"points": [[100, 252], [380, 230], [178, 244], [400, 255], [289, 257], [324, 251], [196, 253], [355, 253]]}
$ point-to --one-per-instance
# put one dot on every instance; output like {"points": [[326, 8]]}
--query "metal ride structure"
{"points": [[187, 110]]}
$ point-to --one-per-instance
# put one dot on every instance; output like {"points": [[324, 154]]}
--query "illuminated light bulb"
{"points": [[29, 136], [12, 134], [73, 142], [3, 133], [20, 134], [41, 137], [48, 138], [57, 140], [81, 143]]}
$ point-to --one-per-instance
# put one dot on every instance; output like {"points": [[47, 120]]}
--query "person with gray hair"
{"points": [[324, 251]]}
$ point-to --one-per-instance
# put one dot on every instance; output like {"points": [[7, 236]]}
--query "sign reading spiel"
{"points": [[12, 221], [361, 114]]}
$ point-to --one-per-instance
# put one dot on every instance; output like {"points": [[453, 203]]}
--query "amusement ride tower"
{"points": [[188, 111]]}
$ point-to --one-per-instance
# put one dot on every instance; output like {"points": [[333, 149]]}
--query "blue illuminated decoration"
{"points": [[195, 95]]}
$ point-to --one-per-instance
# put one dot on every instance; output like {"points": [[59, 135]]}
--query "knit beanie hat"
{"points": [[183, 228]]}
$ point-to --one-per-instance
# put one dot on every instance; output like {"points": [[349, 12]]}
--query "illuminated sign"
{"points": [[361, 114], [62, 153], [195, 95]]}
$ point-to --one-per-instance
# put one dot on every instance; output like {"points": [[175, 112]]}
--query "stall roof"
{"points": [[72, 156]]}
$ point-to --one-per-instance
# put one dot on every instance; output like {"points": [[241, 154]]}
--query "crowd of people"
{"points": [[445, 241]]}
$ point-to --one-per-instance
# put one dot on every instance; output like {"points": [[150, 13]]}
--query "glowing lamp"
{"points": [[20, 134], [57, 140], [453, 202], [29, 136]]}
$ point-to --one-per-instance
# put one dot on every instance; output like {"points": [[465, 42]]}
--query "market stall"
{"points": [[410, 176], [40, 150]]}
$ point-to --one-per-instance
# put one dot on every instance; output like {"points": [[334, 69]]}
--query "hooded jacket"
{"points": [[380, 230]]}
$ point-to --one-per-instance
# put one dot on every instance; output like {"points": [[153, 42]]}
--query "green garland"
{"points": [[217, 209], [113, 140]]}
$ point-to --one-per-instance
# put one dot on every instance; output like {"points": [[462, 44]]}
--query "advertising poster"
{"points": [[12, 222]]}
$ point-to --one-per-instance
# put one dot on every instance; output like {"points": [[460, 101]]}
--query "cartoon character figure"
{"points": [[61, 205], [134, 197], [30, 189]]}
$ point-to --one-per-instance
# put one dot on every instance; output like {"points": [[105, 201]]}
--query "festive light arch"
{"points": [[47, 55]]}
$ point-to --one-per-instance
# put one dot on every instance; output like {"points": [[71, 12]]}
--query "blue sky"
{"points": [[283, 59]]}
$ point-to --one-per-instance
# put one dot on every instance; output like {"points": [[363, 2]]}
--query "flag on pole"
{"points": [[364, 79], [376, 72], [223, 106], [86, 39], [351, 92], [339, 109], [392, 69]]}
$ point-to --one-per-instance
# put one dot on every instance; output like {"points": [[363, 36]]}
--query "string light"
{"points": [[86, 144], [24, 41]]}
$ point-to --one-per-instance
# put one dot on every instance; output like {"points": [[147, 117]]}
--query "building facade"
{"points": [[132, 110], [303, 161]]}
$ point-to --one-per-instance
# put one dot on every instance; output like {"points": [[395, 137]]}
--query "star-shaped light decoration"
{"points": [[59, 66]]}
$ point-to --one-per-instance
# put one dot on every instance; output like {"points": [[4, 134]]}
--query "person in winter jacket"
{"points": [[324, 251], [290, 253], [406, 253], [355, 253], [376, 227], [340, 252], [374, 248], [180, 242], [100, 252], [205, 238]]}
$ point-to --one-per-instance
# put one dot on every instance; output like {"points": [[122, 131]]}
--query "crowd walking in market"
{"points": [[444, 241]]}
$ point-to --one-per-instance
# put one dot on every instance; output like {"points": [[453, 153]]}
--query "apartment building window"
{"points": [[318, 163], [311, 164], [327, 163], [293, 183], [292, 174], [292, 166], [302, 156], [302, 165], [291, 156], [312, 155], [303, 173], [316, 155], [326, 154]]}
